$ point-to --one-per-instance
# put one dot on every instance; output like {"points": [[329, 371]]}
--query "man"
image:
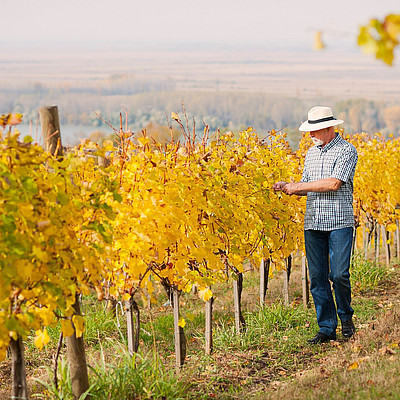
{"points": [[327, 182]]}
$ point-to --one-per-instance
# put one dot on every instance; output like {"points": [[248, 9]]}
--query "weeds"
{"points": [[366, 275], [136, 377], [64, 389], [126, 378]]}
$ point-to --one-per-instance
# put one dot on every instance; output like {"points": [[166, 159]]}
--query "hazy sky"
{"points": [[233, 21]]}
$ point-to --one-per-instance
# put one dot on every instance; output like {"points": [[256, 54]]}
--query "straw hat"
{"points": [[319, 118]]}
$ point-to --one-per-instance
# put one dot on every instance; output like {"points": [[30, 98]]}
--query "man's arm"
{"points": [[302, 188]]}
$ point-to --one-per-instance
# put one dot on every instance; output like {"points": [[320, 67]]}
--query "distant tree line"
{"points": [[150, 101]]}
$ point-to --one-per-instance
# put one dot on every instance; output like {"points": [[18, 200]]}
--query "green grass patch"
{"points": [[125, 378], [366, 275]]}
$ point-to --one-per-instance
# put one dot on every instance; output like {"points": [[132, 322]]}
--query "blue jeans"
{"points": [[328, 255]]}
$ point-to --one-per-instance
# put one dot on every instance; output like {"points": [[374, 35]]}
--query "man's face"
{"points": [[320, 137]]}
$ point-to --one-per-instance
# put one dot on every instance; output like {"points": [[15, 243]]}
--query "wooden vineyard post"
{"points": [[364, 242], [354, 244], [304, 281], [180, 340], [103, 161], [208, 333], [51, 130], [77, 360], [240, 323], [133, 330], [397, 239], [264, 273], [386, 245], [286, 278], [18, 372], [377, 242]]}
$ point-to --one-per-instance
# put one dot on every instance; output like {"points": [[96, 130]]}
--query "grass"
{"points": [[366, 275], [270, 359], [125, 378], [143, 377]]}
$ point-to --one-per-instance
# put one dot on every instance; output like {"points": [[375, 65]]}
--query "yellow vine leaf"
{"points": [[143, 141], [79, 324], [67, 328], [391, 227], [380, 37], [205, 294], [175, 116], [182, 322], [41, 338]]}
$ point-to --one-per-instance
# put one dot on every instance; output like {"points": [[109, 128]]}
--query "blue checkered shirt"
{"points": [[332, 210]]}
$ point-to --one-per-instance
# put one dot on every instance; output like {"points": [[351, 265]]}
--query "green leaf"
{"points": [[117, 196], [62, 198]]}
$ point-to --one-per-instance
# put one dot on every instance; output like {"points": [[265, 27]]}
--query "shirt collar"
{"points": [[332, 143]]}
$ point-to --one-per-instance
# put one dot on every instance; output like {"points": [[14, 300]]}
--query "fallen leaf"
{"points": [[354, 365]]}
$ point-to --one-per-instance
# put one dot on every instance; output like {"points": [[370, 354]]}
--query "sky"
{"points": [[279, 22]]}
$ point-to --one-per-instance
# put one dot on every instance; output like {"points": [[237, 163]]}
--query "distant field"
{"points": [[306, 74]]}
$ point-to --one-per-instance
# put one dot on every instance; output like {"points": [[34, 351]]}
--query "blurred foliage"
{"points": [[378, 37], [381, 37]]}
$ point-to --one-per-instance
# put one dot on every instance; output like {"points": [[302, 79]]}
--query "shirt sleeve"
{"points": [[345, 165]]}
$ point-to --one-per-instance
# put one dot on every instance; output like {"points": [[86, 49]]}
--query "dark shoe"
{"points": [[348, 329], [321, 338]]}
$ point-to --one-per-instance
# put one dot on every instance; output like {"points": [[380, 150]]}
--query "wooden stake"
{"points": [[18, 372], [51, 129], [377, 242], [286, 278], [77, 360], [397, 239], [103, 161], [208, 333], [237, 297], [133, 330], [180, 340], [304, 281], [264, 273], [365, 241], [385, 244]]}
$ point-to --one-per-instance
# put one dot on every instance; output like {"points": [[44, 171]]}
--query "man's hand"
{"points": [[289, 188], [293, 188], [278, 186]]}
